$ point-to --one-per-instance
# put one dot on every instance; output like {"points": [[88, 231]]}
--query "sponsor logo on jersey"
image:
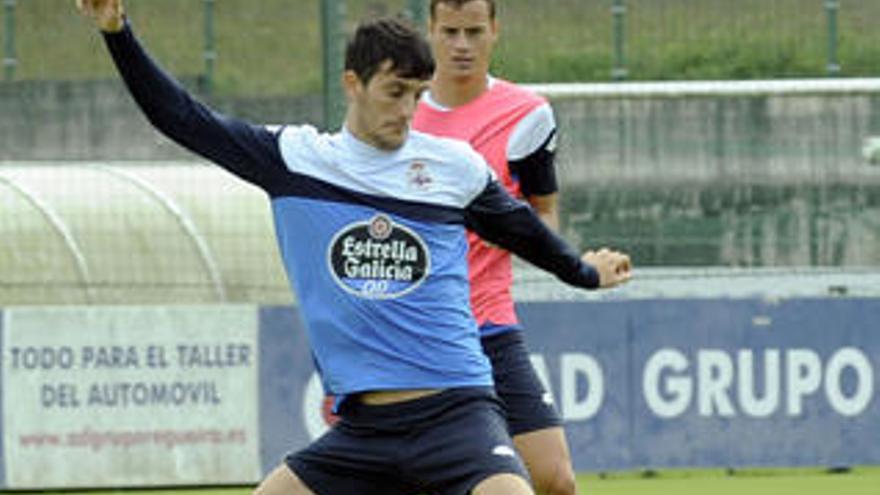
{"points": [[378, 259]]}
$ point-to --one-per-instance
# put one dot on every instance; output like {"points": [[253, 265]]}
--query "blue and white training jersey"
{"points": [[375, 247], [373, 241]]}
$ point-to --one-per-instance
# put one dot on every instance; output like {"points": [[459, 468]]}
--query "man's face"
{"points": [[382, 110], [462, 39]]}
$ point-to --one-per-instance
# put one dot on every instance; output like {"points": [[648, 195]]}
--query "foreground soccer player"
{"points": [[515, 131], [370, 223]]}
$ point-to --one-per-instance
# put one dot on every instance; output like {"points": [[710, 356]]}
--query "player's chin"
{"points": [[393, 140], [464, 72]]}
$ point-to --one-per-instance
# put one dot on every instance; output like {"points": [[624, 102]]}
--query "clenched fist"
{"points": [[107, 14], [614, 267]]}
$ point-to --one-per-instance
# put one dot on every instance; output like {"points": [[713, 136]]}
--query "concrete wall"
{"points": [[747, 139], [95, 120], [744, 139]]}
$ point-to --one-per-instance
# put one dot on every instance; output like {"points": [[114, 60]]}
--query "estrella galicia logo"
{"points": [[378, 259]]}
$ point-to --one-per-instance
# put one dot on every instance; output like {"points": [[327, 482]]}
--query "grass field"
{"points": [[859, 481]]}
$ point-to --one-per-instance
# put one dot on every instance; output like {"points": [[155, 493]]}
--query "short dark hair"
{"points": [[389, 38], [457, 4]]}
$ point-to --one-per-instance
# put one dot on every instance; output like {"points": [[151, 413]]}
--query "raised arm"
{"points": [[250, 152], [499, 218]]}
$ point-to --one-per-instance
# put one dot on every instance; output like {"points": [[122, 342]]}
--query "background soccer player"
{"points": [[515, 131], [370, 223]]}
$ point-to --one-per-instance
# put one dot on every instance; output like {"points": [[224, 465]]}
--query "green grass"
{"points": [[275, 49], [860, 481]]}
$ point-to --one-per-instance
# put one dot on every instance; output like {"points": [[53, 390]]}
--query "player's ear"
{"points": [[351, 84]]}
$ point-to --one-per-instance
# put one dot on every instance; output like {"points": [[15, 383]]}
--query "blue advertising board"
{"points": [[286, 369], [721, 383], [660, 383]]}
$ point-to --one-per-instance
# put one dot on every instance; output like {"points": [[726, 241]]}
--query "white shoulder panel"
{"points": [[531, 132], [425, 169]]}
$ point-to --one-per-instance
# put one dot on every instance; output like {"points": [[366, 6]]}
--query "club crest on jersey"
{"points": [[378, 259], [419, 177]]}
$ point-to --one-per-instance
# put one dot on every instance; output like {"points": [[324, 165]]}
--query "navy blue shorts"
{"points": [[526, 403], [443, 444]]}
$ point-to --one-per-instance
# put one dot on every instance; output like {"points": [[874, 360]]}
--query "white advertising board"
{"points": [[130, 396]]}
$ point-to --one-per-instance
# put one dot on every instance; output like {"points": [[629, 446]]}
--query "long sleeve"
{"points": [[500, 219], [248, 151]]}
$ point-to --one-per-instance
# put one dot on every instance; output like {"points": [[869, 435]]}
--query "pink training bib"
{"points": [[487, 124]]}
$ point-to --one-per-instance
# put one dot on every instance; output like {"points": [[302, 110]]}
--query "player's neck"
{"points": [[451, 92]]}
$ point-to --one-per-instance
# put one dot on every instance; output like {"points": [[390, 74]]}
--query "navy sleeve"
{"points": [[536, 173], [500, 219], [248, 151]]}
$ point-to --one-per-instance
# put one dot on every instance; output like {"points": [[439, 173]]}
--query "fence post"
{"points": [[9, 59], [332, 20], [210, 53], [618, 11], [831, 9], [417, 12]]}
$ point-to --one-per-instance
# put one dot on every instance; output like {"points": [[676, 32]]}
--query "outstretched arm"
{"points": [[497, 217], [250, 152]]}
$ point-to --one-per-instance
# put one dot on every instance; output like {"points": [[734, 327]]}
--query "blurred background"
{"points": [[771, 165]]}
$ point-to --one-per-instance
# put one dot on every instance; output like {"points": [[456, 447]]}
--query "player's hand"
{"points": [[107, 14], [614, 267]]}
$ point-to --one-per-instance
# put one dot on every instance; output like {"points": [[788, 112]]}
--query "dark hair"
{"points": [[393, 39], [457, 4]]}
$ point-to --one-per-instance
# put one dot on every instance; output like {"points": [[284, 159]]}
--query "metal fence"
{"points": [[820, 37]]}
